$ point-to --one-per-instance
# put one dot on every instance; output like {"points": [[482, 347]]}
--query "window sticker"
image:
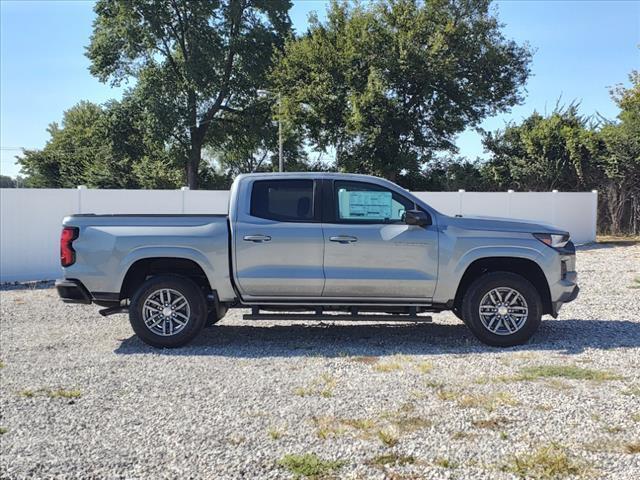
{"points": [[364, 204]]}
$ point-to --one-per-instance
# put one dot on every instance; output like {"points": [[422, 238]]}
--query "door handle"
{"points": [[257, 238], [343, 239]]}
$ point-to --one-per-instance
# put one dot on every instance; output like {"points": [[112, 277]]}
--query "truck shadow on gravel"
{"points": [[294, 339]]}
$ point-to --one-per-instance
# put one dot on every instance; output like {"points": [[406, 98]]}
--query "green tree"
{"points": [[388, 83], [109, 146], [560, 151], [7, 182], [196, 62], [622, 161]]}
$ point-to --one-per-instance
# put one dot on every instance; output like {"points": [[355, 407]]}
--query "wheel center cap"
{"points": [[502, 310], [166, 311]]}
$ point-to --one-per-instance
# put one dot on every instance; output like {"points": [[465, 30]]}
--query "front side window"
{"points": [[283, 200], [358, 202]]}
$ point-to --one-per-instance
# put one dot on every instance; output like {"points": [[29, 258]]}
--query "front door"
{"points": [[369, 252], [278, 241]]}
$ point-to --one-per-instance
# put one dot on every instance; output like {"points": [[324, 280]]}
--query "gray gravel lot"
{"points": [[81, 396]]}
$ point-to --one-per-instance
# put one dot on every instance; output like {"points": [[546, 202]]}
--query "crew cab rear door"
{"points": [[369, 251], [278, 242]]}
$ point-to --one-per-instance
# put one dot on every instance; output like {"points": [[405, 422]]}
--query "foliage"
{"points": [[309, 465], [102, 147], [386, 84], [7, 182], [197, 63], [557, 152]]}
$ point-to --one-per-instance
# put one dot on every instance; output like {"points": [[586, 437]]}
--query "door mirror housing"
{"points": [[417, 217]]}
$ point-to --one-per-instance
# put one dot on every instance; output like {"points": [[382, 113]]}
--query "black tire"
{"points": [[216, 314], [481, 287], [197, 311]]}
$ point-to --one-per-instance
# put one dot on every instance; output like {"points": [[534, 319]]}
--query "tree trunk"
{"points": [[193, 165]]}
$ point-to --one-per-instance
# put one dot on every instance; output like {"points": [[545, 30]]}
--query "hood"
{"points": [[498, 224]]}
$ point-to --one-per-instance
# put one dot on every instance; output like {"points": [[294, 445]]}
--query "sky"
{"points": [[581, 49]]}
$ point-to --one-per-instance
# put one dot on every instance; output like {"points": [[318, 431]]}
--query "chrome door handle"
{"points": [[257, 238], [344, 239]]}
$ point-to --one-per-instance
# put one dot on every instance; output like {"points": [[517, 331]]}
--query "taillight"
{"points": [[67, 253]]}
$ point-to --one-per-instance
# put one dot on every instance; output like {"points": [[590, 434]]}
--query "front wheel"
{"points": [[168, 311], [502, 309]]}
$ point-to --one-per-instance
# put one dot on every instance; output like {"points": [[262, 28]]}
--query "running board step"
{"points": [[337, 317]]}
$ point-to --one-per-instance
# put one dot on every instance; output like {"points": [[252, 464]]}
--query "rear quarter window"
{"points": [[283, 200]]}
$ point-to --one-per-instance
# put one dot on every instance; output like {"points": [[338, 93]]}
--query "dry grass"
{"points": [[633, 447], [323, 386], [494, 423], [367, 360], [446, 463], [388, 438], [548, 462], [570, 372]]}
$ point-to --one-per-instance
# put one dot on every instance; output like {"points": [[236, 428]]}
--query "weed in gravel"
{"points": [[61, 393], [3, 430], [503, 435], [363, 424], [424, 367], [27, 393], [367, 360], [389, 438], [322, 386], [548, 462], [571, 372], [328, 427], [275, 434], [310, 465], [388, 366], [636, 283], [633, 390], [635, 417], [446, 394], [493, 423], [1, 364], [446, 463], [460, 435], [632, 447], [613, 429], [392, 459]]}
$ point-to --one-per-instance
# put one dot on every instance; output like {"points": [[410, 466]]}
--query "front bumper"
{"points": [[73, 291]]}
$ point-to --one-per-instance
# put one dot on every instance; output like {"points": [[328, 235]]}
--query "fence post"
{"points": [[460, 194], [554, 207], [184, 190], [80, 188], [594, 215]]}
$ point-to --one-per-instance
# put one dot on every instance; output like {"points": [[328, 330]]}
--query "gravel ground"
{"points": [[82, 397]]}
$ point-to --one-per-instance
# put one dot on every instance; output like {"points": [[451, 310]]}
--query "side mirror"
{"points": [[417, 217]]}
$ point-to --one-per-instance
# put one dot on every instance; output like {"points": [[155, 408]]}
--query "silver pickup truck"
{"points": [[319, 246]]}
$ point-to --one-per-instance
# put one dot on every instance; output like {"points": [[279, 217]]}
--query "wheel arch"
{"points": [[525, 267], [181, 264]]}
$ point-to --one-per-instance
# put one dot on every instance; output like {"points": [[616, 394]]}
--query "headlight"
{"points": [[552, 239]]}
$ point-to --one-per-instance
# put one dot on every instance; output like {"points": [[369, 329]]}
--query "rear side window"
{"points": [[283, 200]]}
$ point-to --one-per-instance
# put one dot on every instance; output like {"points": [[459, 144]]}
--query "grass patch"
{"points": [[633, 391], [635, 417], [1, 364], [549, 462], [446, 394], [633, 447], [389, 438], [364, 424], [570, 372], [636, 283], [463, 435], [392, 459], [3, 430], [27, 393], [613, 429], [424, 367], [445, 463], [327, 427], [310, 465]]}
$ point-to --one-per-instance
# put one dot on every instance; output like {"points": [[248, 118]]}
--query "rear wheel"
{"points": [[502, 309], [167, 311]]}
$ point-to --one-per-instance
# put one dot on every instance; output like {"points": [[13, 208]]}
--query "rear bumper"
{"points": [[73, 291]]}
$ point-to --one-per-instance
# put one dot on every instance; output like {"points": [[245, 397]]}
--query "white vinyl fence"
{"points": [[31, 218]]}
